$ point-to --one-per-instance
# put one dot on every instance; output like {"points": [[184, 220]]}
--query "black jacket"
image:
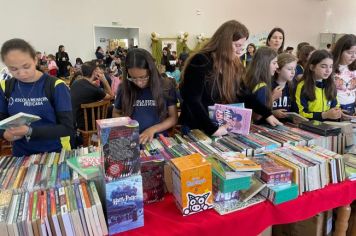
{"points": [[197, 94]]}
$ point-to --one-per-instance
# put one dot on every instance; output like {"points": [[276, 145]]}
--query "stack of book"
{"points": [[350, 166], [120, 152], [70, 210]]}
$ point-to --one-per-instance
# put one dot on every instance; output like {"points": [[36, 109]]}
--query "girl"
{"points": [[258, 77], [213, 75], [52, 66], [247, 57], [29, 95], [303, 56], [275, 40], [62, 60], [78, 64], [345, 68], [316, 92], [145, 96], [283, 78], [99, 53]]}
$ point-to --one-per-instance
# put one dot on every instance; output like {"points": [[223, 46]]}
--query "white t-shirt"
{"points": [[345, 82]]}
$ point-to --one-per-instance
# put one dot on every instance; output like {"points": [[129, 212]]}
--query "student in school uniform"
{"points": [[259, 75], [145, 96], [29, 95], [316, 93], [214, 75], [282, 79], [344, 53]]}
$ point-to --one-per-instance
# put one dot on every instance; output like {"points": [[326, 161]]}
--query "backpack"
{"points": [[49, 87]]}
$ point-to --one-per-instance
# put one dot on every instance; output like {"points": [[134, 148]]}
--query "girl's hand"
{"points": [[333, 114], [147, 135], [280, 113], [277, 93], [221, 131], [273, 121], [19, 131], [10, 137]]}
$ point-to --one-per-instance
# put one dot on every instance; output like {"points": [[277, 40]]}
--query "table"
{"points": [[163, 218]]}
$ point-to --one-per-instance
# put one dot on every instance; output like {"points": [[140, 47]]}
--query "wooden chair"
{"points": [[97, 110]]}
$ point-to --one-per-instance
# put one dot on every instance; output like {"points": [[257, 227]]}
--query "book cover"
{"points": [[86, 172], [256, 186], [320, 128], [124, 204], [295, 117], [239, 162], [19, 119], [153, 181], [119, 140], [236, 119], [235, 205]]}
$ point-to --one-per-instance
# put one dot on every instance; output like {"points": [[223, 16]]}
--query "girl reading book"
{"points": [[316, 92], [27, 92], [283, 79], [258, 78], [214, 75], [145, 96]]}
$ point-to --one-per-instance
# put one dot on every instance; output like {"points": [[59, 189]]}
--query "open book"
{"points": [[18, 120]]}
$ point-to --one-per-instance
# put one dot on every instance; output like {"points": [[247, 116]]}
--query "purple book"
{"points": [[236, 119]]}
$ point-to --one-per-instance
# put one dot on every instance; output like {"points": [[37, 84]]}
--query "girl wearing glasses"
{"points": [[145, 96]]}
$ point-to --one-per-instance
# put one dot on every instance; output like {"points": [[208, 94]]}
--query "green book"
{"points": [[86, 172], [283, 193]]}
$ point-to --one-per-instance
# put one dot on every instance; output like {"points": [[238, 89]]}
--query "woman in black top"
{"points": [[213, 75], [62, 60]]}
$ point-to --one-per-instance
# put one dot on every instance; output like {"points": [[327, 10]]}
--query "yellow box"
{"points": [[192, 187]]}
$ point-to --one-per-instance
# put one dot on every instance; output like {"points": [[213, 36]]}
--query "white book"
{"points": [[95, 212], [87, 213], [99, 208], [19, 119], [10, 215]]}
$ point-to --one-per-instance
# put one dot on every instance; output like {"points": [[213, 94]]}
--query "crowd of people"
{"points": [[317, 84]]}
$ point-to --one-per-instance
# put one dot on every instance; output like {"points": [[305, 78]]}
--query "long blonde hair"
{"points": [[224, 62]]}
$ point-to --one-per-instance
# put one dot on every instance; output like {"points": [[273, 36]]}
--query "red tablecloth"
{"points": [[163, 218]]}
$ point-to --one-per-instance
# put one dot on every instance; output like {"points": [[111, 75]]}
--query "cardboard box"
{"points": [[192, 187]]}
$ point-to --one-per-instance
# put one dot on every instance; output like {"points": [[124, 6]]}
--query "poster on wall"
{"points": [[257, 39], [173, 42]]}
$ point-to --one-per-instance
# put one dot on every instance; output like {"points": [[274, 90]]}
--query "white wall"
{"points": [[48, 23]]}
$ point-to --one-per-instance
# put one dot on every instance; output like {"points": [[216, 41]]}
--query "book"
{"points": [[19, 119], [256, 186], [320, 128], [239, 162], [236, 119], [295, 117], [86, 172], [124, 204], [235, 205]]}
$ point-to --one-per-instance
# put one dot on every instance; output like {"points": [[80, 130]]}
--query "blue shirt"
{"points": [[31, 98], [284, 102], [145, 110]]}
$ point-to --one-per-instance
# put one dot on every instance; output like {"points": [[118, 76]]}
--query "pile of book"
{"points": [[120, 154], [70, 210], [350, 166]]}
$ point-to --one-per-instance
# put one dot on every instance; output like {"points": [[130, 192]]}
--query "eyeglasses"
{"points": [[135, 80]]}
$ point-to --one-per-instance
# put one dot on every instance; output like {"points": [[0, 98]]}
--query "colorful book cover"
{"points": [[124, 204], [239, 162], [236, 119], [19, 119], [119, 140], [153, 181]]}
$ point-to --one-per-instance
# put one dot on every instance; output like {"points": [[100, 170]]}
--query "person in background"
{"points": [[328, 47], [344, 54], [183, 57], [41, 62], [86, 90], [62, 60], [214, 75], [276, 39], [258, 78], [52, 66], [283, 79], [78, 64], [167, 60], [145, 96], [246, 58], [99, 53], [316, 93], [289, 50], [303, 56], [30, 96]]}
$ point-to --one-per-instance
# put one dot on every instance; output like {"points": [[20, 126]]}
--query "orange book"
{"points": [[192, 183]]}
